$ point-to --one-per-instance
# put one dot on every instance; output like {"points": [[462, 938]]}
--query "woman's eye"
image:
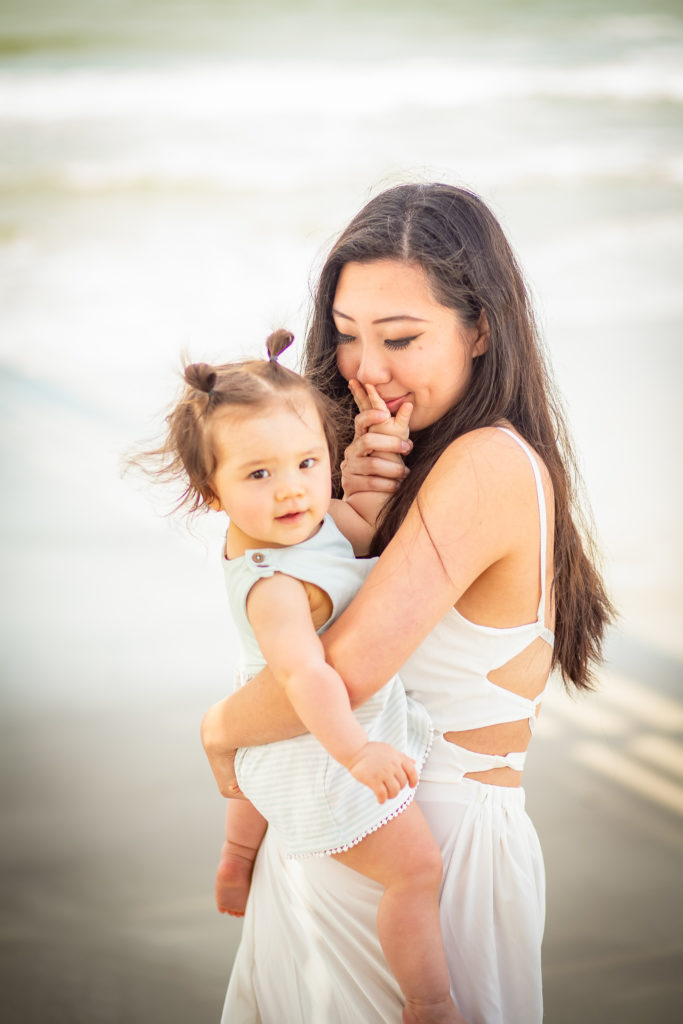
{"points": [[399, 342], [259, 474], [307, 464], [343, 339]]}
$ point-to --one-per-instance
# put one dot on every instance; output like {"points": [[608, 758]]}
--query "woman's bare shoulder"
{"points": [[487, 460], [480, 502]]}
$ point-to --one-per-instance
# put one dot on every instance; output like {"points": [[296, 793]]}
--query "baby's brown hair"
{"points": [[186, 455]]}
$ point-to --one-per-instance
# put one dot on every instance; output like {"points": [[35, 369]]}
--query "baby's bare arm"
{"points": [[279, 613], [296, 656]]}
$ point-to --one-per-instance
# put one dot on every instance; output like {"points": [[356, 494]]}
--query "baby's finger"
{"points": [[411, 772], [403, 416], [359, 395], [375, 401], [393, 787]]}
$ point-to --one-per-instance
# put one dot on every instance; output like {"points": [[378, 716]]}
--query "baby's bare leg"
{"points": [[403, 857], [244, 830]]}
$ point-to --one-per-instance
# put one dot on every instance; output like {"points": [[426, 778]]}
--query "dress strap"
{"points": [[540, 494]]}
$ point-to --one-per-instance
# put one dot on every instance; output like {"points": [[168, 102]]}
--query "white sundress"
{"points": [[309, 952]]}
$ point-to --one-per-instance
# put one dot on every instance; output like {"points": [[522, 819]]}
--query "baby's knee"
{"points": [[424, 864]]}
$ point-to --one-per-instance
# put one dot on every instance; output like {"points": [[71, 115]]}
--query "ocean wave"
{"points": [[247, 88], [199, 172]]}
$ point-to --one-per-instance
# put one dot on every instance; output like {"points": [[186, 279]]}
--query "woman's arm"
{"points": [[470, 510]]}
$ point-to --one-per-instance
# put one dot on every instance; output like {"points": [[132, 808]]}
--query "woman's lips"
{"points": [[394, 404]]}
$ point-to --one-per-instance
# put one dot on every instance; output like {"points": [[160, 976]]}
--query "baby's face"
{"points": [[273, 470]]}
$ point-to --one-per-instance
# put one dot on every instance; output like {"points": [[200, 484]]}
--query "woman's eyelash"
{"points": [[344, 339], [399, 342]]}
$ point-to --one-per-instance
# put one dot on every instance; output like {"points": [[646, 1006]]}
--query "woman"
{"points": [[483, 585]]}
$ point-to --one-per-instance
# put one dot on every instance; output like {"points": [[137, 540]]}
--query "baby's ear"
{"points": [[213, 502]]}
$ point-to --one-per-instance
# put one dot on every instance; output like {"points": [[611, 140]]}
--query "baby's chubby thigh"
{"points": [[402, 851]]}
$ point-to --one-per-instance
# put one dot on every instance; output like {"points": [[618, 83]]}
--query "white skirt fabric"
{"points": [[310, 954], [492, 899]]}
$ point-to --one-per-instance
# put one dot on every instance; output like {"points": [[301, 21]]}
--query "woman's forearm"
{"points": [[259, 712]]}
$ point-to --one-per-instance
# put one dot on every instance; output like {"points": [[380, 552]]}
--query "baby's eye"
{"points": [[307, 464], [399, 342], [259, 474]]}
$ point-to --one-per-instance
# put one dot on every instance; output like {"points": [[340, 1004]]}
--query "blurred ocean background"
{"points": [[171, 175]]}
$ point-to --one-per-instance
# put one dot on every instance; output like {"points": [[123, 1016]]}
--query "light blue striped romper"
{"points": [[315, 805]]}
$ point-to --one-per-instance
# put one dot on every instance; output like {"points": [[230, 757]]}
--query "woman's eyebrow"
{"points": [[382, 319]]}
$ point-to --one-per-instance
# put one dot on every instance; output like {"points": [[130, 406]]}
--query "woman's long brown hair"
{"points": [[453, 236]]}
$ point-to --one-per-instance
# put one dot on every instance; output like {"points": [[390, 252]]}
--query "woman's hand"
{"points": [[373, 461]]}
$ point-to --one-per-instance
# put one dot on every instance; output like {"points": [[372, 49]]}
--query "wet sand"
{"points": [[111, 835], [111, 828]]}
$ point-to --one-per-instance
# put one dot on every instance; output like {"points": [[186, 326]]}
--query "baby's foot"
{"points": [[233, 879]]}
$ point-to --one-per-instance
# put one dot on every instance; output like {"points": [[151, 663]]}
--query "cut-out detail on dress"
{"points": [[518, 672], [450, 672]]}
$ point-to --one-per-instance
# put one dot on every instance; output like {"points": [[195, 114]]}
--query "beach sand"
{"points": [[111, 833]]}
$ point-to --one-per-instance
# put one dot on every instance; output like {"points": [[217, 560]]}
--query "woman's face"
{"points": [[394, 334]]}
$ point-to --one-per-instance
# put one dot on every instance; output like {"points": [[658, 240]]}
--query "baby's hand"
{"points": [[384, 769], [369, 403], [374, 459]]}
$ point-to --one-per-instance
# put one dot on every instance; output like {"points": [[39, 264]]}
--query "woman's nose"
{"points": [[372, 367]]}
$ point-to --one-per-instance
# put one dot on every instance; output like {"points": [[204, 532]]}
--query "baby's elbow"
{"points": [[304, 674]]}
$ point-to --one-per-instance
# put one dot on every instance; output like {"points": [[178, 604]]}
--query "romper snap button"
{"points": [[257, 557]]}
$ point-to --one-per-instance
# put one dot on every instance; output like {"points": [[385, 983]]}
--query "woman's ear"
{"points": [[481, 343]]}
